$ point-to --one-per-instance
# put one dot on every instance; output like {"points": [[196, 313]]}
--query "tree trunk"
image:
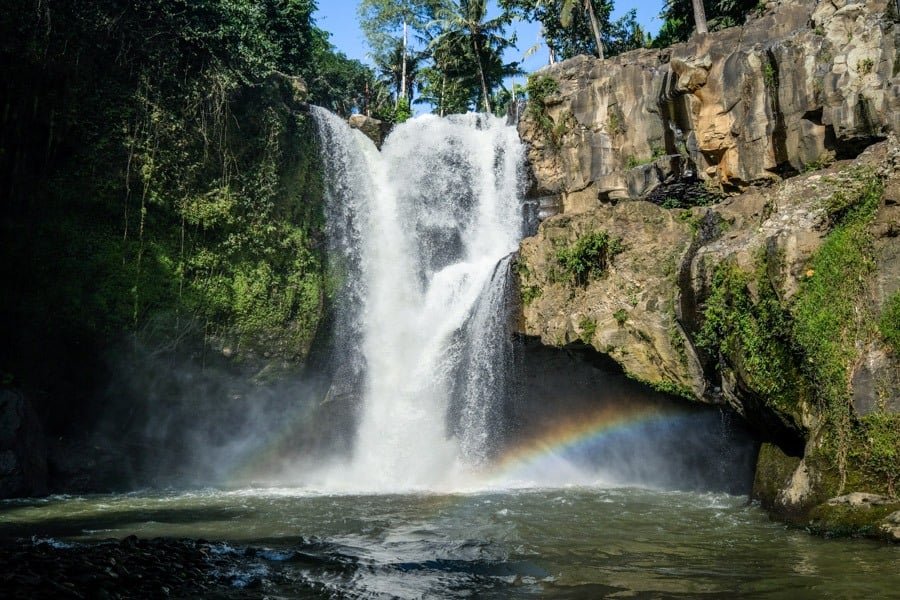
{"points": [[443, 91], [595, 26], [699, 16], [484, 89], [402, 93]]}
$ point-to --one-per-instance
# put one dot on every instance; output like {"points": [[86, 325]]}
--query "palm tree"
{"points": [[380, 20], [464, 23], [399, 70]]}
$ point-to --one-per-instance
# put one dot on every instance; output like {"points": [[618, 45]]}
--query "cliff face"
{"points": [[800, 85], [779, 299]]}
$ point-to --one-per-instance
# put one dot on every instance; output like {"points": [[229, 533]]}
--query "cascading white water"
{"points": [[419, 230]]}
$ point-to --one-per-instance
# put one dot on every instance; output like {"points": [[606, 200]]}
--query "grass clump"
{"points": [[889, 323], [589, 257], [530, 293], [588, 327], [880, 453]]}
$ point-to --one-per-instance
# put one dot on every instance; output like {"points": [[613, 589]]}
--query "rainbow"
{"points": [[556, 453], [561, 444]]}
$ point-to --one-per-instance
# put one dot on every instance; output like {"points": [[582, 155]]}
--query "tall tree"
{"points": [[398, 74], [572, 27], [386, 24], [463, 26]]}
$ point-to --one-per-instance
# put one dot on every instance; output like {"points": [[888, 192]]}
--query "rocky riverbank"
{"points": [[143, 568]]}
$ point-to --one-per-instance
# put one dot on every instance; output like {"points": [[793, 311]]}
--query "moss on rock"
{"points": [[773, 469]]}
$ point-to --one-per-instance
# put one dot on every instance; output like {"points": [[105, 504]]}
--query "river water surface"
{"points": [[533, 543]]}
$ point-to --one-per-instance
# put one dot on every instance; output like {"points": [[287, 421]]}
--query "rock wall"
{"points": [[798, 86], [775, 299]]}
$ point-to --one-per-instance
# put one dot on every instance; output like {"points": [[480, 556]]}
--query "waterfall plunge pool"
{"points": [[571, 542]]}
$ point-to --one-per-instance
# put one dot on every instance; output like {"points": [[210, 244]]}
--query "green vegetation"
{"points": [[802, 354], [865, 66], [844, 520], [889, 323], [678, 18], [632, 161], [829, 312], [831, 315], [539, 88], [877, 448], [752, 335], [386, 25], [621, 316], [529, 293], [567, 28], [679, 342], [818, 164], [588, 257], [770, 77], [588, 327], [666, 387], [161, 181], [772, 468], [451, 52]]}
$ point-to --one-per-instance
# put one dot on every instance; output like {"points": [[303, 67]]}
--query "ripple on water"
{"points": [[563, 543]]}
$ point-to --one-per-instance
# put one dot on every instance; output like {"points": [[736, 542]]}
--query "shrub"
{"points": [[539, 87], [588, 328], [590, 256]]}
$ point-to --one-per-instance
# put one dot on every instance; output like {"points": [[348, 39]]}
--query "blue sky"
{"points": [[339, 18]]}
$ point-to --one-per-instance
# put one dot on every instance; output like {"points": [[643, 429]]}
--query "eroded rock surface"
{"points": [[796, 87], [794, 117]]}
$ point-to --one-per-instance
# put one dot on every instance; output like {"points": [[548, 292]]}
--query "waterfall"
{"points": [[485, 369], [417, 233]]}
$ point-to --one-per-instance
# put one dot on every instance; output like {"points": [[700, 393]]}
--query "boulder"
{"points": [[890, 527], [374, 129]]}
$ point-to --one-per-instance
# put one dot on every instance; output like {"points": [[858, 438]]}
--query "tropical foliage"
{"points": [[568, 30], [157, 177], [679, 17], [449, 51], [468, 39]]}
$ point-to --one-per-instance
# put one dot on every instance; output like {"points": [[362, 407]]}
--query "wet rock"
{"points": [[374, 129], [861, 499], [890, 526]]}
